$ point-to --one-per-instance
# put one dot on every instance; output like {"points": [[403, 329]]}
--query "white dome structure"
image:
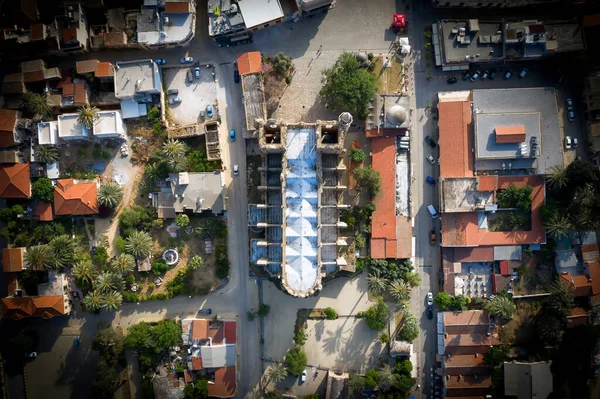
{"points": [[396, 115]]}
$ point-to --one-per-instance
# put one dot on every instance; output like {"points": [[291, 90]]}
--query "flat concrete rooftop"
{"points": [[486, 42], [485, 136]]}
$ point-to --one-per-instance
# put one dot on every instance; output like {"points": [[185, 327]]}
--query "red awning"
{"points": [[399, 20]]}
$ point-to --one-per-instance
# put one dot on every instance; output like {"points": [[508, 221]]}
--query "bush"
{"points": [[295, 362], [312, 396], [131, 296], [159, 267], [136, 218], [43, 189], [360, 314], [330, 314], [288, 80], [250, 315], [403, 367], [384, 338], [368, 179], [410, 328], [100, 257], [263, 309], [377, 316], [182, 220], [106, 155], [300, 337], [359, 241], [357, 155], [371, 378], [221, 261], [120, 245], [282, 63]]}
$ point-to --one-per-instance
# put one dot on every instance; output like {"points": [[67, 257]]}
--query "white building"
{"points": [[109, 125], [69, 129], [135, 83], [47, 133]]}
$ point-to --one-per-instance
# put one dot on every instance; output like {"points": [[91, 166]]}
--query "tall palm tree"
{"points": [[375, 283], [207, 228], [40, 257], [275, 373], [174, 147], [123, 264], [386, 377], [557, 178], [177, 162], [85, 273], [63, 248], [558, 225], [87, 115], [561, 298], [138, 244], [111, 300], [47, 154], [107, 282], [93, 301], [585, 196], [37, 105], [110, 194], [151, 172], [502, 307], [412, 279], [399, 290]]}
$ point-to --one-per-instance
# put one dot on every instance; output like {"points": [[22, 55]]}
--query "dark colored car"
{"points": [[76, 342], [172, 92], [492, 73], [452, 80], [507, 75], [430, 141], [205, 311], [429, 312], [466, 75], [485, 75], [430, 180], [236, 76]]}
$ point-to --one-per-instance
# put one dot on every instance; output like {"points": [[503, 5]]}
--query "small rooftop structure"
{"points": [[253, 93], [86, 66], [249, 63], [109, 125], [70, 129], [15, 181], [13, 259], [195, 192], [136, 79], [47, 133], [260, 12]]}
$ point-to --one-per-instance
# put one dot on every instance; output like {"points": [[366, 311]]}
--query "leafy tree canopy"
{"points": [[295, 362], [377, 315], [43, 189]]}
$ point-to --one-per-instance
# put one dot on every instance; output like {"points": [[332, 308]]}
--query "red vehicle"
{"points": [[399, 23]]}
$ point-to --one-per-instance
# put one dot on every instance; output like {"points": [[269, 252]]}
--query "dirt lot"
{"points": [[390, 79], [195, 95]]}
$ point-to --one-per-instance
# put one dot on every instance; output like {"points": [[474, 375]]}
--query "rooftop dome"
{"points": [[396, 115]]}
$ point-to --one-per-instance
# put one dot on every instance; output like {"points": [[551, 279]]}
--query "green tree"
{"points": [[357, 155], [386, 377], [356, 383], [63, 249], [404, 384], [403, 367], [330, 313], [516, 197], [412, 279], [372, 378], [349, 87], [39, 257], [399, 290], [100, 257], [275, 373], [560, 301], [496, 356], [263, 310], [37, 105], [295, 362], [410, 328], [110, 194], [282, 63], [123, 264], [443, 300], [182, 220], [107, 282], [300, 337], [43, 189], [458, 302], [384, 338], [368, 179], [138, 336], [85, 273], [159, 267], [174, 147], [377, 315], [502, 306], [112, 300], [197, 390], [93, 301], [45, 154], [558, 225], [196, 262], [557, 178], [87, 115], [376, 284], [166, 333], [138, 244], [207, 228]]}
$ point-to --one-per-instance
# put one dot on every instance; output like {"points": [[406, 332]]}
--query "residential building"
{"points": [[253, 91], [109, 125], [135, 84], [459, 43], [86, 66], [212, 353], [300, 201], [463, 338], [69, 129], [105, 71], [47, 133], [166, 23], [75, 94], [13, 260], [11, 156], [9, 134], [15, 181], [113, 34], [195, 192], [75, 197], [527, 380]]}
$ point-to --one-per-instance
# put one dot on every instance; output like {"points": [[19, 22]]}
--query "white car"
{"points": [[185, 60], [429, 299], [236, 170], [568, 142], [569, 104], [174, 100], [303, 378], [430, 159]]}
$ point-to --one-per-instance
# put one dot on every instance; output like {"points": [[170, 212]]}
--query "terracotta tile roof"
{"points": [[68, 89], [187, 377], [462, 229], [81, 95], [43, 211], [87, 66], [378, 248], [45, 307], [469, 360], [391, 132], [8, 119], [510, 134], [468, 382], [580, 284], [216, 335], [487, 183], [177, 7], [224, 386], [12, 259], [15, 181], [500, 282], [75, 199], [104, 70], [35, 76], [196, 363], [456, 139], [504, 267], [475, 254], [230, 332], [12, 282], [466, 318], [249, 63], [594, 269], [37, 31], [199, 330]]}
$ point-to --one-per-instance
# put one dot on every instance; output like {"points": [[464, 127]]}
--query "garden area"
{"points": [[515, 212], [277, 74]]}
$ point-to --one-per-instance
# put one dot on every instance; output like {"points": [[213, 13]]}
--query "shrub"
{"points": [[295, 362], [371, 378], [384, 338], [360, 314], [100, 257], [312, 396], [182, 220], [263, 309], [282, 63], [359, 241], [221, 261], [377, 315], [250, 315], [288, 80], [131, 296], [300, 337], [330, 314], [368, 179], [120, 245], [410, 328], [43, 189], [370, 56], [159, 267], [357, 155], [403, 368], [105, 155]]}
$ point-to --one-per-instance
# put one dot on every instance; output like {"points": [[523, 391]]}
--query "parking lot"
{"points": [[195, 95]]}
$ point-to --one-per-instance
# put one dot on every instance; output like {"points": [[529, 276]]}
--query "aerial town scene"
{"points": [[320, 199]]}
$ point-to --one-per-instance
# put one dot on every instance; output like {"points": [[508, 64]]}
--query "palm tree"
{"points": [[561, 298], [63, 248], [138, 244], [399, 290], [37, 105], [196, 262], [386, 377], [93, 301], [412, 279], [177, 162], [585, 196], [174, 147], [557, 178], [207, 228], [40, 257], [558, 225], [123, 264], [275, 373], [375, 283], [110, 194], [112, 300], [151, 172], [85, 273], [502, 307], [87, 115], [47, 154], [107, 282]]}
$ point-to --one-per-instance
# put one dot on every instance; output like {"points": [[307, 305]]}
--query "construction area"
{"points": [[302, 196]]}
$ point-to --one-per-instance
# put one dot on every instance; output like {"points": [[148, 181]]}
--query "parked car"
{"points": [[160, 61], [432, 211], [236, 76], [429, 299], [466, 75], [205, 311], [492, 73], [575, 142], [452, 80], [429, 312], [507, 75], [430, 180], [571, 116], [236, 170], [186, 60], [485, 74], [232, 135], [430, 159], [432, 237], [124, 150], [209, 111], [430, 141], [172, 92], [174, 100], [568, 142], [31, 355], [76, 342], [188, 76], [523, 73], [303, 378], [475, 76], [569, 104], [197, 73]]}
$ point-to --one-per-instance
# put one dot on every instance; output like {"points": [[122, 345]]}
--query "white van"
{"points": [[432, 211]]}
